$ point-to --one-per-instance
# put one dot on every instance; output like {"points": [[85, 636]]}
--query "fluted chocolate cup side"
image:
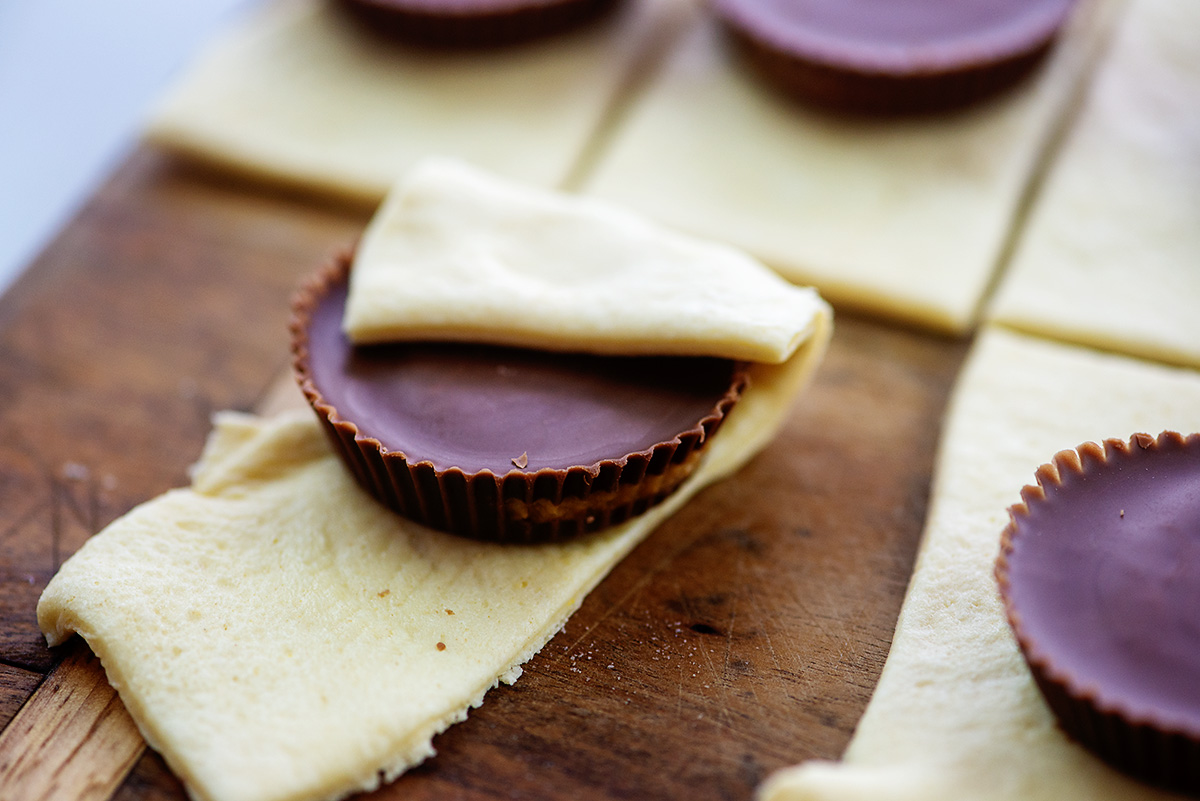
{"points": [[874, 93], [459, 25], [901, 59], [519, 505], [1148, 740]]}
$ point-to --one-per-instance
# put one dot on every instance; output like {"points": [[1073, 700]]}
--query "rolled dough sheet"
{"points": [[279, 636], [956, 714], [901, 218], [299, 94], [1111, 255]]}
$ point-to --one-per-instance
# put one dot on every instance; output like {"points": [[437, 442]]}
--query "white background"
{"points": [[76, 79]]}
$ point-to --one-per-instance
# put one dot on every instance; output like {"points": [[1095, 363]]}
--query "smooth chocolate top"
{"points": [[1104, 575], [900, 36], [479, 407]]}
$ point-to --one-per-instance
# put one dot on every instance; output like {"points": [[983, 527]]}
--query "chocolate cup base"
{"points": [[1167, 760], [844, 90], [452, 29], [1098, 579]]}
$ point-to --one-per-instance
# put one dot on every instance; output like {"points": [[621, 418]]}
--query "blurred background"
{"points": [[76, 79]]}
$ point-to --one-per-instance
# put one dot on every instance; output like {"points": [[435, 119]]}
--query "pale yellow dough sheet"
{"points": [[956, 715], [274, 631], [299, 94], [902, 218], [1111, 254], [456, 253], [278, 635]]}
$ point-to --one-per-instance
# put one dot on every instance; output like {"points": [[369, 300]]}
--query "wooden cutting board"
{"points": [[744, 635]]}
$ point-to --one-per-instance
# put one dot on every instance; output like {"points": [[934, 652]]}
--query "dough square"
{"points": [[904, 218], [956, 714], [1111, 255], [301, 94]]}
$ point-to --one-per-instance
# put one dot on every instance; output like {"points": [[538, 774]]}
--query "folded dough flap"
{"points": [[455, 253]]}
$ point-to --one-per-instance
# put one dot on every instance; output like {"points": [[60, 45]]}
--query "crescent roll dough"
{"points": [[956, 714], [277, 635]]}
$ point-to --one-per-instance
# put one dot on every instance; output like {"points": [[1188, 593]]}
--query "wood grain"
{"points": [[72, 740], [745, 634], [16, 685]]}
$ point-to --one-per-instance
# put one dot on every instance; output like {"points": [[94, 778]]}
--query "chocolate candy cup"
{"points": [[1100, 574], [474, 23], [893, 56], [505, 444]]}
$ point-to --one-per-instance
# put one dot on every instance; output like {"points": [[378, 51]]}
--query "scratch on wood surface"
{"points": [[791, 662], [732, 625], [726, 719], [68, 509], [635, 589], [25, 516], [55, 528], [679, 694], [613, 607], [831, 601], [69, 477], [765, 633], [737, 573]]}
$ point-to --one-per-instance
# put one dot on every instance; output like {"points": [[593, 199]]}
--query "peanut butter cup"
{"points": [[1100, 575], [474, 23], [502, 443], [893, 56]]}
